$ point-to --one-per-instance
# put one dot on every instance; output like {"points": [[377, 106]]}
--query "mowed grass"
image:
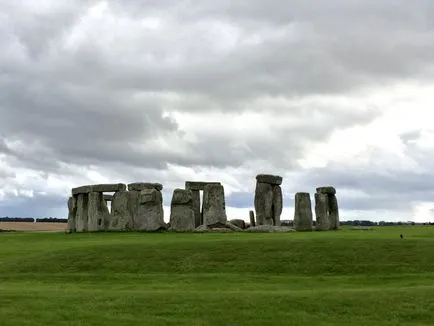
{"points": [[348, 277]]}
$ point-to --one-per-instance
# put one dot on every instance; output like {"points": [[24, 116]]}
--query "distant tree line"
{"points": [[33, 220], [365, 223]]}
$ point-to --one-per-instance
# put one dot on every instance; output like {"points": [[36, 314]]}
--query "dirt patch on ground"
{"points": [[29, 226]]}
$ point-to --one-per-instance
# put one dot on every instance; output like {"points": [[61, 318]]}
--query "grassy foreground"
{"points": [[320, 278]]}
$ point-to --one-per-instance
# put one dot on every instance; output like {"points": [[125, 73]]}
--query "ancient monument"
{"points": [[268, 199], [326, 208], [303, 212], [139, 207]]}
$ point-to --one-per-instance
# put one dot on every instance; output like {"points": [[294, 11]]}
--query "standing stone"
{"points": [[277, 205], [264, 204], [334, 212], [214, 206], [322, 212], [195, 197], [150, 213], [81, 220], [72, 211], [98, 213], [252, 218], [182, 215], [303, 212], [121, 216], [133, 206]]}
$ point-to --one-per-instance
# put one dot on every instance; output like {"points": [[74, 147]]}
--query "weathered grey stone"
{"points": [[238, 223], [121, 216], [108, 197], [201, 228], [98, 213], [81, 219], [81, 190], [326, 190], [264, 204], [109, 187], [133, 206], [277, 205], [322, 212], [181, 197], [182, 217], [252, 218], [334, 212], [269, 228], [232, 227], [214, 205], [195, 197], [270, 179], [303, 212], [72, 212], [139, 186], [150, 214], [198, 185]]}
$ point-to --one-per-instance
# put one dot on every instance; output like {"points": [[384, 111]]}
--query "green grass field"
{"points": [[345, 277]]}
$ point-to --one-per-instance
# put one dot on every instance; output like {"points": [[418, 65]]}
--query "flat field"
{"points": [[29, 226], [348, 277]]}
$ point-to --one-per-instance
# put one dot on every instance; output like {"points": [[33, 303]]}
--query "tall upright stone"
{"points": [[263, 203], [322, 212], [195, 199], [277, 204], [182, 215], [98, 213], [268, 199], [81, 220], [252, 218], [334, 212], [303, 212], [72, 212], [150, 213], [121, 216], [332, 206], [214, 205]]}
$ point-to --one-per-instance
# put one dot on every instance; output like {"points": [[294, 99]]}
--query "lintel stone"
{"points": [[139, 186], [107, 187], [198, 185]]}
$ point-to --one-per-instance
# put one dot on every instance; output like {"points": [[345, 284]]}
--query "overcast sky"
{"points": [[337, 92]]}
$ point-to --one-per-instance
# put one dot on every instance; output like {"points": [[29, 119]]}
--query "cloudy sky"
{"points": [[337, 92]]}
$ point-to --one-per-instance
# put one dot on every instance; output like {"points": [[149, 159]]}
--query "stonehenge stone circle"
{"points": [[326, 208], [268, 199], [214, 205], [182, 216], [303, 212], [139, 207]]}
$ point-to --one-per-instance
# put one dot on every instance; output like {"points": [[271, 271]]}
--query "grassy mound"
{"points": [[322, 278]]}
